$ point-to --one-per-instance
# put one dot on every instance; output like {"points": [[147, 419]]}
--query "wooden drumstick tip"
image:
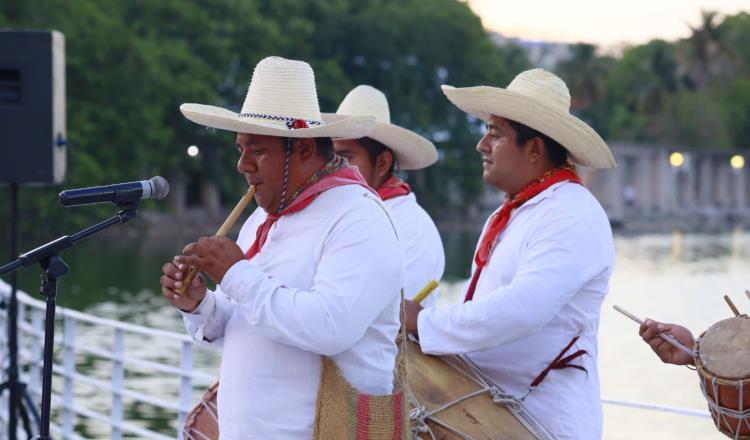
{"points": [[425, 292], [731, 305], [628, 314], [666, 336]]}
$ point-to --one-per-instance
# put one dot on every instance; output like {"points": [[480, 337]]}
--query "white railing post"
{"points": [[20, 333], [4, 401], [69, 368], [37, 323], [65, 420], [186, 384], [118, 383]]}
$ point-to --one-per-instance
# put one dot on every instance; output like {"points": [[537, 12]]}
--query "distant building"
{"points": [[704, 188], [541, 53]]}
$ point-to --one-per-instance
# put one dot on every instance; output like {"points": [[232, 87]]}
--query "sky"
{"points": [[603, 22]]}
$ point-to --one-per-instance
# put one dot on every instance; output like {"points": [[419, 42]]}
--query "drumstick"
{"points": [[667, 337], [223, 230], [426, 290], [747, 292], [731, 305]]}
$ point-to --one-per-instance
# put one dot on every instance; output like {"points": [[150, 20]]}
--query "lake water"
{"points": [[671, 277]]}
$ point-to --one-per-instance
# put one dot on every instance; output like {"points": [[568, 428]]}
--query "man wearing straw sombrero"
{"points": [[316, 271], [530, 314], [386, 148]]}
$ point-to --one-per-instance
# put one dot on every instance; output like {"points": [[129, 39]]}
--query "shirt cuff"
{"points": [[240, 280], [195, 320], [423, 328], [203, 310]]}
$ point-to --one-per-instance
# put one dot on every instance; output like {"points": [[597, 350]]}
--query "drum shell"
{"points": [[434, 382], [725, 393], [202, 422]]}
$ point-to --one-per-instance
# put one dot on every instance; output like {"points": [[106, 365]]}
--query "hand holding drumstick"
{"points": [[412, 307], [669, 341], [651, 332]]}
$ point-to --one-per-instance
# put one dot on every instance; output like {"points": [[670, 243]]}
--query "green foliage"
{"points": [[692, 92], [130, 64], [735, 100]]}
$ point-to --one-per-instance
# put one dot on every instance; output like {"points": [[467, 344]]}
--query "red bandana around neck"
{"points": [[393, 187], [500, 219], [335, 173]]}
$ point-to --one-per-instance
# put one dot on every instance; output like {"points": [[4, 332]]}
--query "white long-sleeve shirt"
{"points": [[424, 258], [326, 282], [544, 283]]}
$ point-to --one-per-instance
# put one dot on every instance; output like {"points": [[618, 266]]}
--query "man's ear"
{"points": [[383, 163], [306, 148], [535, 150]]}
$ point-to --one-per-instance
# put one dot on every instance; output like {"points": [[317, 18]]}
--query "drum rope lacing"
{"points": [[192, 432], [419, 414], [722, 414]]}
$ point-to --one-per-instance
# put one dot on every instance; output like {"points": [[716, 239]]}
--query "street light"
{"points": [[193, 151], [676, 159], [737, 162]]}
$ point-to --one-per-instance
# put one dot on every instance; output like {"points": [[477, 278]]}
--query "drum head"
{"points": [[724, 350]]}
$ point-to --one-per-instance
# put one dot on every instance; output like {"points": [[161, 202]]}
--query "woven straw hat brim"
{"points": [[585, 146], [412, 151], [223, 119]]}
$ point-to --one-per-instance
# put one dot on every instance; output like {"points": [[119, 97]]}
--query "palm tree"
{"points": [[584, 73], [706, 52]]}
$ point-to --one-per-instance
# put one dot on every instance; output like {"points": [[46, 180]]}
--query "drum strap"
{"points": [[560, 362]]}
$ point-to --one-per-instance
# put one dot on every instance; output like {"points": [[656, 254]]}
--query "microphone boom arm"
{"points": [[53, 267], [57, 246]]}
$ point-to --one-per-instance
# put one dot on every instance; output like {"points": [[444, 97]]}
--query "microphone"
{"points": [[130, 192]]}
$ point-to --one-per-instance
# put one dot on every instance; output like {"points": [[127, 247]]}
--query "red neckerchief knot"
{"points": [[499, 220], [393, 187], [335, 173]]}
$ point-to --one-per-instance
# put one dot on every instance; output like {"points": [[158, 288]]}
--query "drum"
{"points": [[450, 398], [203, 421], [723, 364]]}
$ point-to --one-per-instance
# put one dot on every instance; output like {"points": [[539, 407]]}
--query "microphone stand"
{"points": [[19, 400], [53, 268]]}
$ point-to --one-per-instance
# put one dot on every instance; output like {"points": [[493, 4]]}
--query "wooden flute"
{"points": [[223, 230]]}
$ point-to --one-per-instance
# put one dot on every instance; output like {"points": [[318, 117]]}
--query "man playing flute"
{"points": [[316, 271]]}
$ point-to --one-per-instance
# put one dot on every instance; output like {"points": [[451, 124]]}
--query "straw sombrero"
{"points": [[540, 100], [281, 93], [412, 151]]}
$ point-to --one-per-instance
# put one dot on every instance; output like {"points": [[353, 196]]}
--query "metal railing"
{"points": [[73, 358], [110, 399]]}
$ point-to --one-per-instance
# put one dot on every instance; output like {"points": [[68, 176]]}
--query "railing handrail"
{"points": [[62, 312], [659, 407], [188, 376], [30, 325]]}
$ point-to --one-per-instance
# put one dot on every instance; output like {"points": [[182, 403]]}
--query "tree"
{"points": [[131, 64], [707, 52], [639, 84], [585, 74]]}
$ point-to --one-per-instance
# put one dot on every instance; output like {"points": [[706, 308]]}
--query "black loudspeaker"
{"points": [[32, 107]]}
